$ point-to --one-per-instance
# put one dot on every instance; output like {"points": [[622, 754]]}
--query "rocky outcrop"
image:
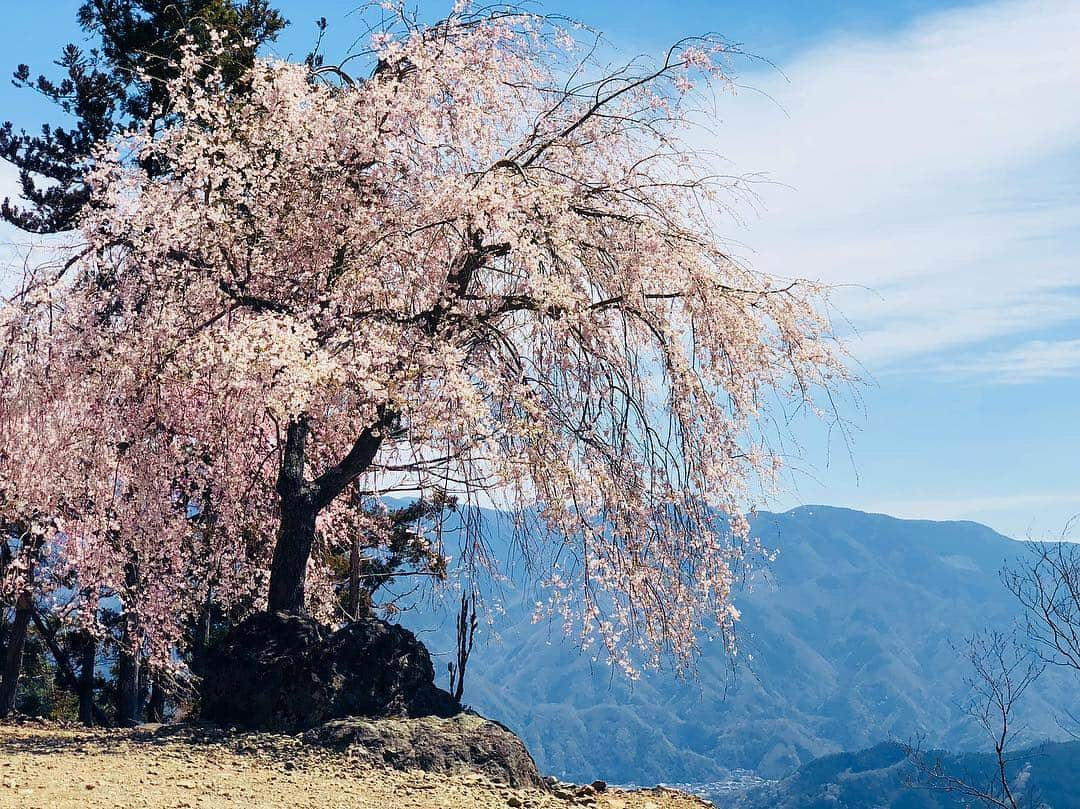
{"points": [[287, 673], [459, 744]]}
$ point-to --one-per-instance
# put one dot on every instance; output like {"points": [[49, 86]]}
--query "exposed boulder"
{"points": [[287, 673], [462, 743]]}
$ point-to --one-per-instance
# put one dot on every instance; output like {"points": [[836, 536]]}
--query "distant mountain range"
{"points": [[882, 777], [845, 642]]}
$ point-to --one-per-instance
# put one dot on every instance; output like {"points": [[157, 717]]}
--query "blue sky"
{"points": [[923, 157]]}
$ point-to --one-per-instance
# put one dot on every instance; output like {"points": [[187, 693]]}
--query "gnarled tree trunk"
{"points": [[295, 537], [301, 501]]}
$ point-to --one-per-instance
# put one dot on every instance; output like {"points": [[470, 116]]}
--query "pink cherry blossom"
{"points": [[478, 271]]}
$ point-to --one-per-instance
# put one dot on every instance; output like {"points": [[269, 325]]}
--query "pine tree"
{"points": [[114, 85]]}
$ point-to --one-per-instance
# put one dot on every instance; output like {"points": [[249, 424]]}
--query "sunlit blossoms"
{"points": [[483, 269]]}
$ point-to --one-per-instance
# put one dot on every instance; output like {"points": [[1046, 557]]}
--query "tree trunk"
{"points": [[289, 568], [201, 641], [296, 531], [155, 709], [68, 678], [13, 659], [127, 673], [301, 501], [354, 577], [127, 687], [87, 665]]}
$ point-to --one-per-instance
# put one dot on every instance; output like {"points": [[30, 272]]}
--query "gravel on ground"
{"points": [[55, 767]]}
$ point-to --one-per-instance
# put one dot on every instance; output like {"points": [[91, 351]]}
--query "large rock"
{"points": [[463, 743], [287, 673]]}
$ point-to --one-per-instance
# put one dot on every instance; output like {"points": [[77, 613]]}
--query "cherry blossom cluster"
{"points": [[490, 258]]}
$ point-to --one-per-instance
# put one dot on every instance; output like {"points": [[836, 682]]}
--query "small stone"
{"points": [[599, 786], [514, 801], [288, 765]]}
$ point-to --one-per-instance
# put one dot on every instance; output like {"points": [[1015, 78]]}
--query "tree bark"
{"points": [[9, 683], [354, 577], [296, 527], [127, 690], [87, 665], [289, 568], [155, 708]]}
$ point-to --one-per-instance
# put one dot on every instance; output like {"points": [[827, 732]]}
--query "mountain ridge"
{"points": [[846, 639], [883, 776]]}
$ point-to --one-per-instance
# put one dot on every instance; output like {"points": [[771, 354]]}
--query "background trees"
{"points": [[120, 82], [1048, 587], [1046, 583], [1002, 670]]}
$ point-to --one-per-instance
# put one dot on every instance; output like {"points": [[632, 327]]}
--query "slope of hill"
{"points": [[883, 777], [846, 640]]}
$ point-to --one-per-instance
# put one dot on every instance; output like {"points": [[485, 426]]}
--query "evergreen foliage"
{"points": [[119, 83]]}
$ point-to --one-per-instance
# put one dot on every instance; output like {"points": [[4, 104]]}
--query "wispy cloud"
{"points": [[934, 175], [935, 172], [1030, 362]]}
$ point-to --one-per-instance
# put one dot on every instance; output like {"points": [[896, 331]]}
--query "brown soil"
{"points": [[48, 767]]}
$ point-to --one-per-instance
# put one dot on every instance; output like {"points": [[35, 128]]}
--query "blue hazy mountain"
{"points": [[847, 639], [882, 776]]}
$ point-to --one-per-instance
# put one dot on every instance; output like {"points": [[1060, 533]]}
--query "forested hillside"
{"points": [[883, 777], [845, 642]]}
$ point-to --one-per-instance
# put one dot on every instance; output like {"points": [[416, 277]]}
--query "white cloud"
{"points": [[1030, 362], [936, 171]]}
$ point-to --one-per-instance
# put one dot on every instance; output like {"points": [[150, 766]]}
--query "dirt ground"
{"points": [[48, 767]]}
